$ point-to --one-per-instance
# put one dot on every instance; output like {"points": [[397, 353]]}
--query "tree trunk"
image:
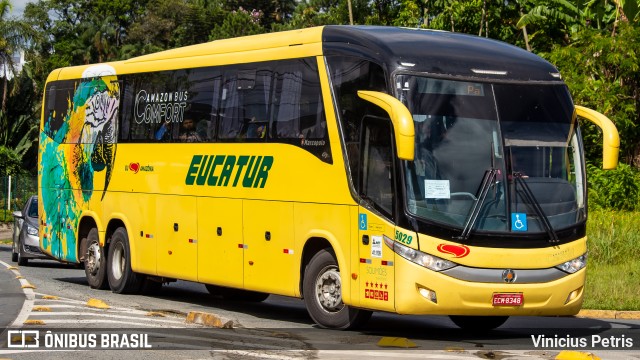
{"points": [[425, 19], [484, 15], [524, 33]]}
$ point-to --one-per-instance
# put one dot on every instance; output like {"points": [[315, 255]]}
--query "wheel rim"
{"points": [[93, 258], [118, 262], [329, 289]]}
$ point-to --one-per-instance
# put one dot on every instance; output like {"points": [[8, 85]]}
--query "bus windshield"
{"points": [[493, 157]]}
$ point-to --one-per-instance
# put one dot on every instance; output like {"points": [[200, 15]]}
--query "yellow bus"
{"points": [[359, 168]]}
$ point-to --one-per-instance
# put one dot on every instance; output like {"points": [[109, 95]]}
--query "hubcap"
{"points": [[329, 289], [118, 261], [93, 258]]}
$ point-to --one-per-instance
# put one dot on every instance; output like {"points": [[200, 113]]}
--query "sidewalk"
{"points": [[6, 231]]}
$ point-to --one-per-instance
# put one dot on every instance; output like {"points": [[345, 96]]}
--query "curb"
{"points": [[609, 314], [209, 320]]}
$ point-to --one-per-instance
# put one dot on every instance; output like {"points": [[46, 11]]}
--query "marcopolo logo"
{"points": [[249, 171]]}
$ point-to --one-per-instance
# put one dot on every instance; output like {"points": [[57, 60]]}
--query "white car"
{"points": [[26, 243]]}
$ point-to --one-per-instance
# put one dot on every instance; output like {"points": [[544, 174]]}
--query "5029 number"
{"points": [[403, 238]]}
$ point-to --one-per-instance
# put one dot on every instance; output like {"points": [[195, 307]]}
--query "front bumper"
{"points": [[458, 297], [31, 247]]}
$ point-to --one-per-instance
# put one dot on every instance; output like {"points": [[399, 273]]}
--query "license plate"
{"points": [[502, 299]]}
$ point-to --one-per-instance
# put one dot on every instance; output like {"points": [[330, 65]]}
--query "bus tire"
{"points": [[122, 280], [478, 323], [95, 261], [236, 294], [322, 291]]}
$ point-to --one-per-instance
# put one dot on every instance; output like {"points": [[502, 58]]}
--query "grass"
{"points": [[613, 286], [6, 216], [613, 270]]}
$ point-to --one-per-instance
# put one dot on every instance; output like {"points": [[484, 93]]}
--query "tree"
{"points": [[9, 162], [238, 23], [603, 73], [14, 37]]}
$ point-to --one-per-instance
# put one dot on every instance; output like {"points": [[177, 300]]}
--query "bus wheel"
{"points": [[322, 291], [95, 262], [122, 279], [236, 294], [478, 322]]}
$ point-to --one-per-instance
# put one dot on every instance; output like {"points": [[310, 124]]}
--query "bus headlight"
{"points": [[574, 265], [418, 257]]}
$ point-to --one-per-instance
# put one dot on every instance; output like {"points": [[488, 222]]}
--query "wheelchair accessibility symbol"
{"points": [[518, 222], [363, 222]]}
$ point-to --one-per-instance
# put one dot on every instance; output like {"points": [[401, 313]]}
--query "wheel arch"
{"points": [[88, 221], [116, 221], [314, 244]]}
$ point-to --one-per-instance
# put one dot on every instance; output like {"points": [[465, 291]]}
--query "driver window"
{"points": [[377, 164]]}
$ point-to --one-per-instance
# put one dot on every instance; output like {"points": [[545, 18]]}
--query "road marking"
{"points": [[29, 298], [136, 322], [95, 317], [98, 304], [413, 354]]}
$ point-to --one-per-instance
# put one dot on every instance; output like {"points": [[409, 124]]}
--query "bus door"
{"points": [[176, 231], [376, 187]]}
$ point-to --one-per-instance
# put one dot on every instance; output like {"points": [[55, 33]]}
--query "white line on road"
{"points": [[28, 302], [101, 315]]}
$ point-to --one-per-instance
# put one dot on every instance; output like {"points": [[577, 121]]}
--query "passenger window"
{"points": [[245, 104], [298, 115]]}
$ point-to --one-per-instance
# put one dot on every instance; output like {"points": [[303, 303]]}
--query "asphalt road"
{"points": [[278, 328]]}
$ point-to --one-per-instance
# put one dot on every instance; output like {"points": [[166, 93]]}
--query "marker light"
{"points": [[574, 265], [418, 257], [489, 72], [573, 295], [429, 294]]}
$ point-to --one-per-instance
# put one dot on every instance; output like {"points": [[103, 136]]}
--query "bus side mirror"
{"points": [[401, 120], [611, 139]]}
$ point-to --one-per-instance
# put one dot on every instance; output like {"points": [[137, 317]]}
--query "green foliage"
{"points": [[603, 73], [614, 189], [10, 162], [613, 242], [613, 236], [238, 23]]}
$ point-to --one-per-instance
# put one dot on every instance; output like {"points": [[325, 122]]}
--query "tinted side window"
{"points": [[298, 116], [348, 75], [273, 101], [246, 102]]}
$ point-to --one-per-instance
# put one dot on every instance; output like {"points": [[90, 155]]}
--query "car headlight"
{"points": [[574, 265], [32, 230], [418, 257]]}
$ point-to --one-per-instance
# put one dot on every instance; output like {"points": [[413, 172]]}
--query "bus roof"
{"points": [[438, 52], [434, 52]]}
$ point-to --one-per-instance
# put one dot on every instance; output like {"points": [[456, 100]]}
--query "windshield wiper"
{"points": [[488, 179], [531, 199]]}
